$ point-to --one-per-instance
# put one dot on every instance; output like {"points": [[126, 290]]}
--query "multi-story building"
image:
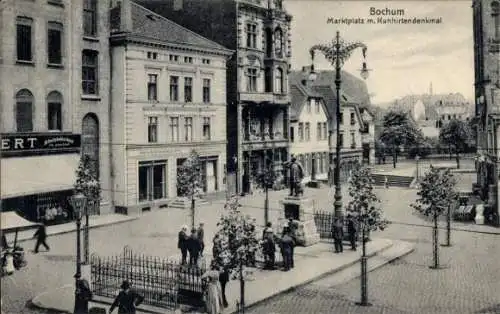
{"points": [[357, 126], [486, 25], [43, 103], [257, 76], [168, 98]]}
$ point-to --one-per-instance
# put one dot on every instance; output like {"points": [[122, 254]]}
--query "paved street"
{"points": [[470, 283]]}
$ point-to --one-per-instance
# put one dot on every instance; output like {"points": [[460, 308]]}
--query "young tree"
{"points": [[265, 180], [366, 213], [436, 194], [398, 129], [190, 180], [234, 243], [456, 134]]}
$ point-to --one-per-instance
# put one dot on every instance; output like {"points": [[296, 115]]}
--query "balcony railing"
{"points": [[266, 136], [265, 97]]}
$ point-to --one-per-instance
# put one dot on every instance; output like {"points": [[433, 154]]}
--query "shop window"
{"points": [[152, 180]]}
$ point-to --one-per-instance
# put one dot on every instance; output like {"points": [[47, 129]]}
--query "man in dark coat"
{"points": [[269, 246], [82, 295], [127, 300], [41, 237], [338, 235], [224, 279], [287, 244], [194, 248], [182, 243], [201, 238], [351, 230], [293, 233]]}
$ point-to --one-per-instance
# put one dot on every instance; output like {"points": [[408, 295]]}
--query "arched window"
{"points": [[24, 111], [278, 43], [90, 140], [495, 14], [278, 77], [268, 77], [269, 42], [54, 111]]}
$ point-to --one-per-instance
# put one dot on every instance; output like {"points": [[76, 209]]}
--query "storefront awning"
{"points": [[11, 221], [33, 175]]}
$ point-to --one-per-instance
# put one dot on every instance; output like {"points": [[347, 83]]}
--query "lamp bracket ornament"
{"points": [[341, 50]]}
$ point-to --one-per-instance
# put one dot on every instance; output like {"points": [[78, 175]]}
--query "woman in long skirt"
{"points": [[214, 302]]}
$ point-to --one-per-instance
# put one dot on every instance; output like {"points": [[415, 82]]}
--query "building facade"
{"points": [[257, 77], [486, 26], [168, 99]]}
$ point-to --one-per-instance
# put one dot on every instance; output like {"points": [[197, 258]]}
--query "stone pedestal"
{"points": [[301, 210], [86, 274]]}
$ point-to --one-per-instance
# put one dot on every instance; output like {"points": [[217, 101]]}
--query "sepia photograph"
{"points": [[250, 156]]}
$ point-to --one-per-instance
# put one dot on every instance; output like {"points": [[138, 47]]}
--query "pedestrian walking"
{"points": [[41, 237], [83, 295], [338, 235], [287, 244], [182, 243], [194, 248], [269, 247], [352, 231], [201, 237], [127, 300], [213, 293], [224, 279]]}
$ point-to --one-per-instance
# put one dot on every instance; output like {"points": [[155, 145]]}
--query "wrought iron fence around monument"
{"points": [[324, 222], [163, 282]]}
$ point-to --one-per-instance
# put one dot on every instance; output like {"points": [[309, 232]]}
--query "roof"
{"points": [[148, 24], [11, 221], [299, 93]]}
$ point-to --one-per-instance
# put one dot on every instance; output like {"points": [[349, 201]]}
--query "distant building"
{"points": [[486, 25], [168, 99]]}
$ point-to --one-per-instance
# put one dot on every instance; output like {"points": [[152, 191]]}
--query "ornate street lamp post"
{"points": [[337, 53], [78, 202]]}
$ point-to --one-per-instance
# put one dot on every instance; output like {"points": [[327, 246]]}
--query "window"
{"points": [[251, 35], [152, 180], [279, 81], [353, 140], [89, 72], [251, 80], [90, 18], [54, 43], [188, 59], [188, 129], [341, 118], [24, 111], [152, 55], [353, 118], [316, 104], [268, 79], [152, 87], [173, 57], [188, 89], [54, 111], [341, 142], [292, 134], [206, 128], [174, 88], [318, 131], [205, 61], [325, 131], [269, 42], [206, 91], [308, 132], [24, 39], [301, 131], [278, 43], [174, 128], [152, 129]]}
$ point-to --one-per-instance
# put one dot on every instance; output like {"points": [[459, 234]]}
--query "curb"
{"points": [[90, 227], [318, 277], [33, 302]]}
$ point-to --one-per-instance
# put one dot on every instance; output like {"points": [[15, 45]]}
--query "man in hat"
{"points": [[338, 235], [127, 300], [82, 295], [201, 237], [182, 243]]}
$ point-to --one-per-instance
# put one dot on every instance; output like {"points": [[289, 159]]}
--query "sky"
{"points": [[404, 58]]}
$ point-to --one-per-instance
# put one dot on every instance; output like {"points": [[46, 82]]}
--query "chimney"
{"points": [[125, 16], [178, 5]]}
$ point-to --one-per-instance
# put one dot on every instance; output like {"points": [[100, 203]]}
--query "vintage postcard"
{"points": [[249, 156]]}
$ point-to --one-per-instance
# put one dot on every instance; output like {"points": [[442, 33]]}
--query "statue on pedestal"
{"points": [[296, 176]]}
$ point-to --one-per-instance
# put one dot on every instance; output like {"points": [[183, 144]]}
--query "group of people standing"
{"points": [[338, 233], [286, 242], [193, 244]]}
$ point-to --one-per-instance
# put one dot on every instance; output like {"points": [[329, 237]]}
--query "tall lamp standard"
{"points": [[337, 53], [79, 203]]}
